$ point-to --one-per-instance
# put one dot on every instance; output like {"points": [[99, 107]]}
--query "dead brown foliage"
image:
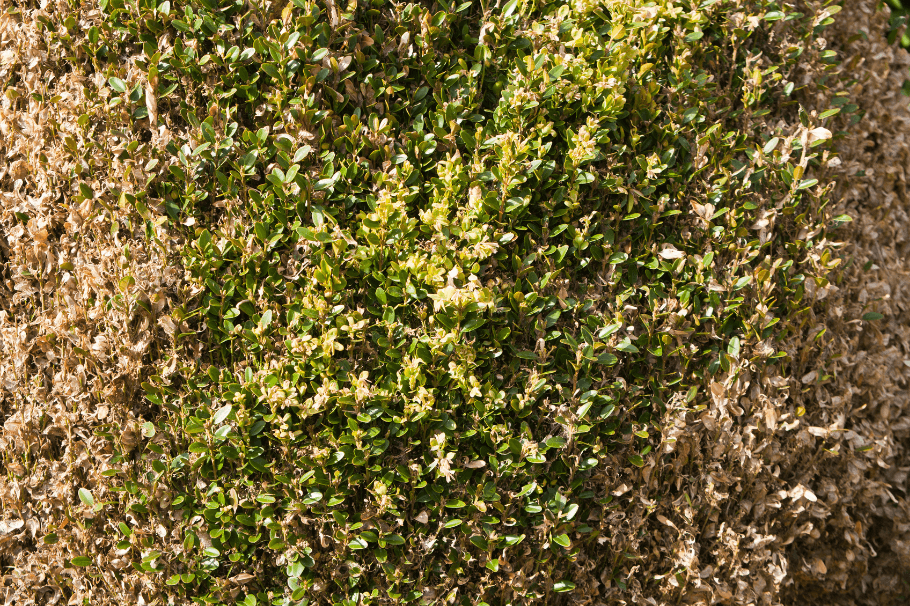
{"points": [[75, 337], [859, 552]]}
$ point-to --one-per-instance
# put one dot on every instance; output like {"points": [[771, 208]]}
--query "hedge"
{"points": [[423, 275]]}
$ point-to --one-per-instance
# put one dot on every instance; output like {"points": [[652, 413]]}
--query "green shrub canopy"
{"points": [[445, 263]]}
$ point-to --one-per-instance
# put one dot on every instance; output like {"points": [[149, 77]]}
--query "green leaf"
{"points": [[117, 84], [562, 540], [555, 442], [742, 283], [583, 410], [86, 497], [563, 586], [222, 414], [473, 325], [608, 330], [627, 346], [271, 70], [607, 359], [81, 561], [872, 316], [479, 541]]}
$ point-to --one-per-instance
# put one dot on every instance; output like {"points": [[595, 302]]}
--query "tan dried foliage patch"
{"points": [[79, 296], [785, 489], [859, 552]]}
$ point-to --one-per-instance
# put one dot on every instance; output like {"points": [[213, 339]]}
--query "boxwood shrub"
{"points": [[441, 264]]}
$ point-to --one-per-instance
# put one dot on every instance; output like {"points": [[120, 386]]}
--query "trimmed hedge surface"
{"points": [[426, 276]]}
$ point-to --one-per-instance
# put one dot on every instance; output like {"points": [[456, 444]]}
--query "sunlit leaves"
{"points": [[437, 282]]}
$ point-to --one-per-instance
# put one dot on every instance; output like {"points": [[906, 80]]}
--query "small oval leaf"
{"points": [[86, 497], [117, 84]]}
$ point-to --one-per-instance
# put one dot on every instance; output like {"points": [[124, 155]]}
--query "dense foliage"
{"points": [[898, 21], [443, 263]]}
